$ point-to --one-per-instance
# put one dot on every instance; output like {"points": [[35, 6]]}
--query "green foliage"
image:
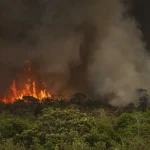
{"points": [[102, 135], [10, 126], [8, 145], [57, 127], [134, 129], [66, 129]]}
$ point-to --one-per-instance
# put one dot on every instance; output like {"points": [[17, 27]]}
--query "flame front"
{"points": [[29, 89]]}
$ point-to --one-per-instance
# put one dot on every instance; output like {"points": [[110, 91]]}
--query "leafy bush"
{"points": [[56, 127], [8, 145], [134, 129], [66, 129], [10, 126]]}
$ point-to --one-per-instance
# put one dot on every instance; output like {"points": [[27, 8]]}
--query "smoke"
{"points": [[76, 46], [121, 63], [70, 42]]}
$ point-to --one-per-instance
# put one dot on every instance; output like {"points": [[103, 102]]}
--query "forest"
{"points": [[78, 124]]}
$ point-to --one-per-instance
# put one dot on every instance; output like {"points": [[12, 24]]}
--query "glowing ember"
{"points": [[29, 89]]}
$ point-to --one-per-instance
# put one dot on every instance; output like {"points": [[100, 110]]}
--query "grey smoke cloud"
{"points": [[79, 46], [121, 63], [72, 39]]}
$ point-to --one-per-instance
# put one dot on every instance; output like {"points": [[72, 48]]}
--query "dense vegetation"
{"points": [[66, 126]]}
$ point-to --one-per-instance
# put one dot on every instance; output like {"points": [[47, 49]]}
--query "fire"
{"points": [[29, 89]]}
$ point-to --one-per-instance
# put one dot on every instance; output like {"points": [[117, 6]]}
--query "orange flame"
{"points": [[29, 89]]}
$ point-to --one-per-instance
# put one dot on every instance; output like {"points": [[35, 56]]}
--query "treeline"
{"points": [[79, 124], [29, 105], [66, 129]]}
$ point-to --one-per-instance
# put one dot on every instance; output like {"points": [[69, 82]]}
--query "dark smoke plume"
{"points": [[85, 46]]}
